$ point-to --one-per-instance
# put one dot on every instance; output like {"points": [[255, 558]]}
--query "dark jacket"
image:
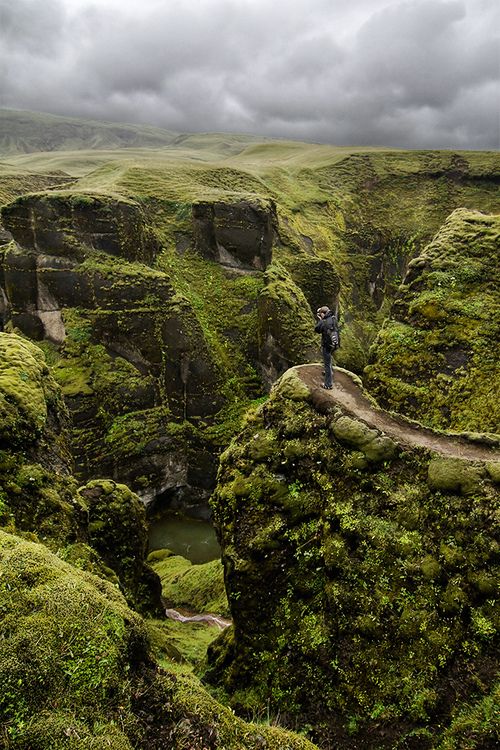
{"points": [[323, 326]]}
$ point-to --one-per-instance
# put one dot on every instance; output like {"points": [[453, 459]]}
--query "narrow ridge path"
{"points": [[350, 397]]}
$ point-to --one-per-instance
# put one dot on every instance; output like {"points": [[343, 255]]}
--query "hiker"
{"points": [[328, 327]]}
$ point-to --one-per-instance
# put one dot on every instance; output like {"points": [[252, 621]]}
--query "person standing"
{"points": [[327, 326]]}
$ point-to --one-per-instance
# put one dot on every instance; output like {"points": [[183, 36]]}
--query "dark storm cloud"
{"points": [[422, 73]]}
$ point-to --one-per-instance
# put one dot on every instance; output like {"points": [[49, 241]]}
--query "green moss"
{"points": [[73, 378], [25, 388], [196, 587], [285, 315], [493, 469], [117, 530], [183, 642], [357, 588], [291, 386], [65, 638], [454, 475], [474, 726], [76, 670], [434, 358]]}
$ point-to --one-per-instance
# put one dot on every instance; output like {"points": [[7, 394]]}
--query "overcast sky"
{"points": [[419, 73]]}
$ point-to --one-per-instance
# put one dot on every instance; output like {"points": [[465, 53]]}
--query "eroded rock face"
{"points": [[127, 342], [54, 234], [67, 224], [359, 575], [238, 235]]}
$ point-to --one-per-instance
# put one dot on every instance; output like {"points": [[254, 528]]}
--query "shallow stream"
{"points": [[190, 537]]}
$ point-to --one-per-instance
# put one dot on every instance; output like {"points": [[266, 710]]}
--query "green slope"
{"points": [[25, 132]]}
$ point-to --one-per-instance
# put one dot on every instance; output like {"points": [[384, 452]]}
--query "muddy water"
{"points": [[189, 537]]}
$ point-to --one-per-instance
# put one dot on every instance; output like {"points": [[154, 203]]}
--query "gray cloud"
{"points": [[420, 73]]}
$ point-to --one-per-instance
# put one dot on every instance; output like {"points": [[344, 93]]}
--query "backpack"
{"points": [[334, 335]]}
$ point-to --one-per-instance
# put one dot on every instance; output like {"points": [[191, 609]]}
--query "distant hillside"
{"points": [[23, 132], [26, 132]]}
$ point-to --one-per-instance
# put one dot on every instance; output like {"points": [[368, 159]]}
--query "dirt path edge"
{"points": [[349, 395]]}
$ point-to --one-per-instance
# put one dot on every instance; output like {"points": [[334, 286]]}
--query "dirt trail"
{"points": [[349, 396]]}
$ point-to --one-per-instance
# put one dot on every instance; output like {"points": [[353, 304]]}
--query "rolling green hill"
{"points": [[25, 132]]}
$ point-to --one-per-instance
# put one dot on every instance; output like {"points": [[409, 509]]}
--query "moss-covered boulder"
{"points": [[359, 584], [435, 358], [76, 670]]}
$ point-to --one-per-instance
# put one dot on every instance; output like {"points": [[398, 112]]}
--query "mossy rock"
{"points": [[493, 469], [67, 638], [381, 448], [335, 558], [76, 670], [434, 357], [286, 326], [67, 223], [117, 529], [27, 391], [291, 386], [353, 432], [454, 475]]}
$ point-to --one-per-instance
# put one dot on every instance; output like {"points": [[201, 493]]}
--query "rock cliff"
{"points": [[140, 366], [435, 357], [360, 568]]}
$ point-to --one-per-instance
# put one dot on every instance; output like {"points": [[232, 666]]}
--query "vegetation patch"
{"points": [[199, 588]]}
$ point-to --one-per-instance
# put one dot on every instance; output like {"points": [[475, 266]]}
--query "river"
{"points": [[190, 537]]}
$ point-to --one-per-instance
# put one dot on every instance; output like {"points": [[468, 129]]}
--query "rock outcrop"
{"points": [[435, 357], [237, 235], [67, 224], [360, 571], [101, 525], [127, 342]]}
